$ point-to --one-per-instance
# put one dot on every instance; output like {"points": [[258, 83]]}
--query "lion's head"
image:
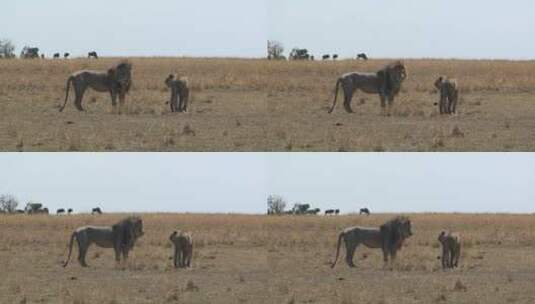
{"points": [[396, 231], [121, 75], [129, 229], [392, 75], [438, 82]]}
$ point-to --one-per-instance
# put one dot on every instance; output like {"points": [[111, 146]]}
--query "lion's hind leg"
{"points": [[79, 91], [348, 95], [188, 260], [453, 102], [351, 245], [83, 245]]}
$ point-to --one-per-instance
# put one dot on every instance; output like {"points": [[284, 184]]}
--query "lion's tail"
{"points": [[335, 95], [340, 237], [70, 249], [69, 81]]}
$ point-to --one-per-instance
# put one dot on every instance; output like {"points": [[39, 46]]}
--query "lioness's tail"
{"points": [[70, 249], [335, 95], [71, 79], [340, 237]]}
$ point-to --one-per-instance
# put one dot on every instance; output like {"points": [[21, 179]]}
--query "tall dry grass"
{"points": [[261, 105], [269, 259], [474, 75]]}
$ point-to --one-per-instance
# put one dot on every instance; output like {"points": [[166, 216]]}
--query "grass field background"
{"points": [[269, 259], [260, 105]]}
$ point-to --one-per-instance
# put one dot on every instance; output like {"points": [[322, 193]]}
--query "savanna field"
{"points": [[260, 105], [269, 259]]}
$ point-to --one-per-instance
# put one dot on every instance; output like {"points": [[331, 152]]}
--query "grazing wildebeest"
{"points": [[364, 211], [337, 211], [335, 56], [312, 58], [325, 57], [56, 55], [329, 211], [389, 237], [60, 211], [66, 55], [96, 210], [70, 211], [362, 56], [92, 55]]}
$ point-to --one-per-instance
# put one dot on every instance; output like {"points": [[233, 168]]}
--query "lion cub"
{"points": [[449, 94], [179, 93], [451, 249], [183, 250]]}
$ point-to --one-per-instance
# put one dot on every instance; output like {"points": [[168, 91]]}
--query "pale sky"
{"points": [[407, 182], [240, 28], [230, 28], [241, 182], [408, 28], [136, 182]]}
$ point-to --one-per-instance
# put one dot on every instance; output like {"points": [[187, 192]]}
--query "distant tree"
{"points": [[275, 50], [7, 48], [29, 52], [32, 207], [8, 203], [299, 54], [300, 208], [276, 204]]}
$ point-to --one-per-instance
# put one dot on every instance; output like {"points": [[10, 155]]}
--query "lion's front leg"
{"points": [[443, 104], [382, 97], [117, 249], [390, 104], [122, 100]]}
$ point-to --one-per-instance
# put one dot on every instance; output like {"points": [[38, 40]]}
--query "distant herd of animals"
{"points": [[389, 237], [385, 82], [33, 52], [36, 208], [303, 54], [304, 209]]}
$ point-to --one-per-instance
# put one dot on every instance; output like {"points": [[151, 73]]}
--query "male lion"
{"points": [[385, 82], [451, 249], [183, 250], [389, 237], [117, 80], [121, 237], [179, 93], [449, 94]]}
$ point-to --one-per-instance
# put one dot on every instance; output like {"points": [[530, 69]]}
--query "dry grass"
{"points": [[496, 266], [228, 266], [261, 259], [223, 92], [495, 108], [258, 105]]}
